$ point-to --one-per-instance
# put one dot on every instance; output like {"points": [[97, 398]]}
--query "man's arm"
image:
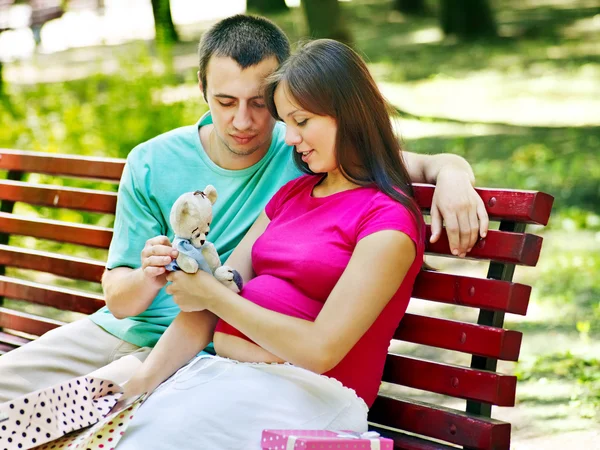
{"points": [[455, 201], [138, 252], [129, 292]]}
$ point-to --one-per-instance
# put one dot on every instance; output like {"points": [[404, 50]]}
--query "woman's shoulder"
{"points": [[384, 212]]}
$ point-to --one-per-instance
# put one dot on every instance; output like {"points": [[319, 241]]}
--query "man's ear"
{"points": [[201, 87], [211, 193]]}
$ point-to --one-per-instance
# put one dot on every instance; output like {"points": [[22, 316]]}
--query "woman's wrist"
{"points": [[137, 385], [218, 298]]}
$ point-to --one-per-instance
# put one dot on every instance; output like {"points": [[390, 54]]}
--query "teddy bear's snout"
{"points": [[202, 241]]}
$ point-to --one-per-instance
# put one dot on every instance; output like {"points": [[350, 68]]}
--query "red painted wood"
{"points": [[403, 441], [58, 297], [441, 423], [61, 164], [501, 246], [27, 323], [11, 339], [73, 233], [502, 204], [5, 348], [463, 337], [505, 204], [456, 381], [58, 196], [494, 295], [65, 266]]}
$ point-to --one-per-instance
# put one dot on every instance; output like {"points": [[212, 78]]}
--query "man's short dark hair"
{"points": [[246, 39]]}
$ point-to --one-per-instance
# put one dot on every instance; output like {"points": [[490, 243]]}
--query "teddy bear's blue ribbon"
{"points": [[185, 246]]}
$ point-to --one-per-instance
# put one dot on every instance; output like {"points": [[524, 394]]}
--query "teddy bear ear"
{"points": [[211, 193]]}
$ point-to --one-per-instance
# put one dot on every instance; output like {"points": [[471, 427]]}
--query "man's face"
{"points": [[241, 119]]}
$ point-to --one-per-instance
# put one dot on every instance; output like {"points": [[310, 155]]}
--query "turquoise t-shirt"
{"points": [[157, 172]]}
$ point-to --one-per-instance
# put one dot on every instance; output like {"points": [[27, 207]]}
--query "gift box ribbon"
{"points": [[372, 436]]}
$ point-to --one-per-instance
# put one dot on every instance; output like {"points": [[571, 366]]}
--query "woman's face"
{"points": [[312, 135]]}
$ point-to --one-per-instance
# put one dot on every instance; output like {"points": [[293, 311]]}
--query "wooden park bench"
{"points": [[416, 425]]}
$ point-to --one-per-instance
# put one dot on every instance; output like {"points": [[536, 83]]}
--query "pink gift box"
{"points": [[323, 439]]}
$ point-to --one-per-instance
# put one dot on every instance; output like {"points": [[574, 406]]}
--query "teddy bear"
{"points": [[190, 219]]}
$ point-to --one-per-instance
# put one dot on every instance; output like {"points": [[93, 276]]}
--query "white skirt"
{"points": [[215, 403]]}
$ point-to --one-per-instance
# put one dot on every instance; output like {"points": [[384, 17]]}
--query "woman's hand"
{"points": [[132, 390], [194, 292]]}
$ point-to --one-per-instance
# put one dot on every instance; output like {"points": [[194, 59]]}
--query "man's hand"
{"points": [[460, 207], [157, 253]]}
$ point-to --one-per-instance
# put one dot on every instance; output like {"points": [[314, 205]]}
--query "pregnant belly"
{"points": [[281, 296], [274, 294]]}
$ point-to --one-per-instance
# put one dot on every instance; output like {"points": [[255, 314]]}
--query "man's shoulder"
{"points": [[164, 145]]}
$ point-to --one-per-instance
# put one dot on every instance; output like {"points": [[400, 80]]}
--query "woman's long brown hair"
{"points": [[328, 78]]}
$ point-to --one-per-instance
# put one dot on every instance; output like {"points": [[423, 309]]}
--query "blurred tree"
{"points": [[467, 19], [163, 22], [325, 20], [267, 6], [413, 7], [1, 81]]}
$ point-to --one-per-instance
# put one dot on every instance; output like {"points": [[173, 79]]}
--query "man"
{"points": [[239, 149]]}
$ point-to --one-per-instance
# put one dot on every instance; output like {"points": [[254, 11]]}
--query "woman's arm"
{"points": [[376, 270], [185, 338], [241, 257], [191, 332]]}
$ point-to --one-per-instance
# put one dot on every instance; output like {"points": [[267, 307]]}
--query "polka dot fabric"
{"points": [[104, 435], [48, 414], [323, 440]]}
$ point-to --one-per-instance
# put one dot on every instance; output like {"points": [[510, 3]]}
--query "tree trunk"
{"points": [[467, 19], [412, 7], [163, 22], [267, 6], [325, 20]]}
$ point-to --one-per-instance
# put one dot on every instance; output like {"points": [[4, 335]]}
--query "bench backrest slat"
{"points": [[26, 323], [57, 297], [441, 423], [15, 341], [503, 204], [89, 235], [447, 379], [474, 292], [501, 246], [64, 266], [58, 196], [62, 165], [463, 337]]}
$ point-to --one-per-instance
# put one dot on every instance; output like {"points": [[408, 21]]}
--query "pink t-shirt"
{"points": [[304, 251]]}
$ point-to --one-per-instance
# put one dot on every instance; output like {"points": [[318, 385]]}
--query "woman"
{"points": [[329, 268]]}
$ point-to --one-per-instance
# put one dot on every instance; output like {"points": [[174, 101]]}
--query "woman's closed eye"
{"points": [[302, 122]]}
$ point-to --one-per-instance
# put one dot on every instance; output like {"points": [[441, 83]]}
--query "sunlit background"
{"points": [[522, 104]]}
